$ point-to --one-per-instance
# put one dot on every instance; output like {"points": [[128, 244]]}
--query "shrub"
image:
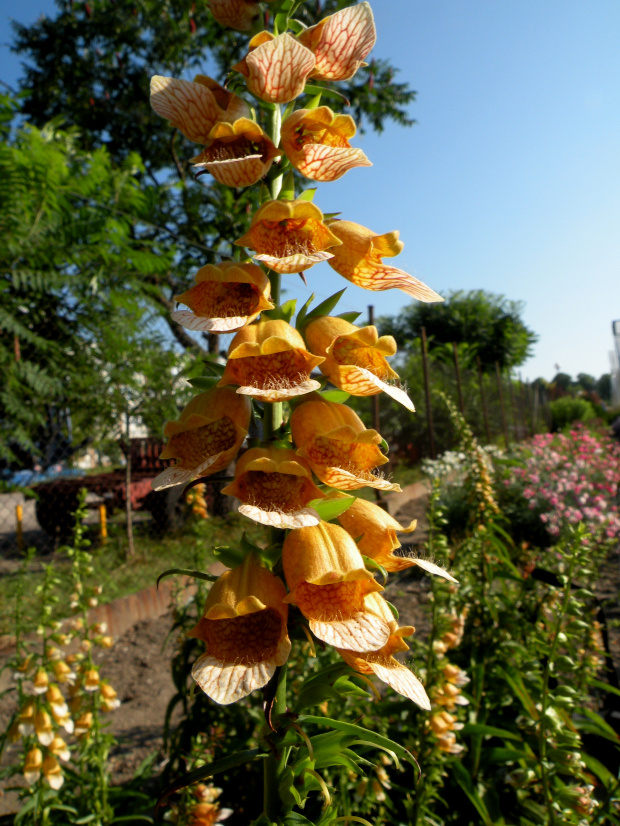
{"points": [[566, 410]]}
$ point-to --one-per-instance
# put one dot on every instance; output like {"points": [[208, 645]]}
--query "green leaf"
{"points": [[231, 557], [351, 317], [329, 509], [311, 89], [203, 382], [393, 609], [214, 368], [462, 777], [515, 681], [314, 102], [284, 311], [186, 572], [604, 686], [373, 565], [322, 309], [597, 768], [337, 396], [492, 731], [372, 737], [307, 195], [211, 769], [131, 819], [288, 187]]}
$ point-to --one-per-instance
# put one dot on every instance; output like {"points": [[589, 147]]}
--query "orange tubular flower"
{"points": [[378, 541], [269, 360], [340, 42], [329, 584], [316, 142], [275, 487], [276, 68], [355, 358], [339, 449], [237, 154], [240, 15], [225, 298], [289, 236], [359, 259], [193, 107], [206, 437], [382, 662], [32, 766], [244, 628]]}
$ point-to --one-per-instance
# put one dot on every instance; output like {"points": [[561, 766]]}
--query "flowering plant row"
{"points": [[308, 452]]}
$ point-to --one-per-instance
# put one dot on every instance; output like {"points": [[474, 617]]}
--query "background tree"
{"points": [[74, 298], [490, 325]]}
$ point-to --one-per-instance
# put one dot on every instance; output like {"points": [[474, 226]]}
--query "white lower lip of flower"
{"points": [[31, 777], [362, 632], [45, 737], [191, 321], [404, 681], [59, 709], [354, 482], [302, 518], [181, 476], [434, 569], [293, 263], [65, 755], [55, 781], [395, 392], [272, 394], [25, 729]]}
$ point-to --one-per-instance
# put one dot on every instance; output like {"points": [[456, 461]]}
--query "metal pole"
{"points": [[500, 392], [427, 394], [457, 371], [483, 399]]}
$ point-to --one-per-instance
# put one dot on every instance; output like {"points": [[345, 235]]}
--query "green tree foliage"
{"points": [[490, 325], [76, 288], [91, 65]]}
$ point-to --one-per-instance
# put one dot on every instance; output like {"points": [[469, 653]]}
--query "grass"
{"points": [[189, 548]]}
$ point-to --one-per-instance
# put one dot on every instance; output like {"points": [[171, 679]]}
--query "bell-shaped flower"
{"points": [[194, 106], [316, 142], [59, 749], [225, 298], [383, 663], [269, 360], [41, 681], [360, 259], [63, 718], [276, 68], [244, 628], [43, 727], [52, 772], [340, 42], [56, 699], [63, 672], [207, 814], [337, 446], [25, 719], [328, 582], [240, 15], [289, 236], [32, 766], [109, 697], [237, 154], [91, 680], [375, 532], [205, 438], [275, 487], [355, 358], [83, 724]]}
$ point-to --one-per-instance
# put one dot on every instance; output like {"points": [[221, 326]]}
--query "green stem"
{"points": [[275, 764], [542, 728]]}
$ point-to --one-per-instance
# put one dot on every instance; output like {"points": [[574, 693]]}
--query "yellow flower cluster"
{"points": [[329, 451]]}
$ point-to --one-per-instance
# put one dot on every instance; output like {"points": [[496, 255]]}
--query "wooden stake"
{"points": [[459, 387], [500, 392], [103, 524], [427, 393], [483, 399]]}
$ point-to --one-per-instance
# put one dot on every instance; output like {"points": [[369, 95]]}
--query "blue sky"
{"points": [[509, 182]]}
